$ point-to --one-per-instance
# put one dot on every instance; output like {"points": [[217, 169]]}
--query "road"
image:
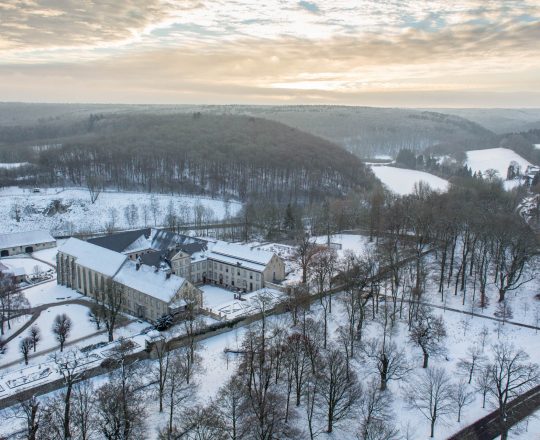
{"points": [[488, 428]]}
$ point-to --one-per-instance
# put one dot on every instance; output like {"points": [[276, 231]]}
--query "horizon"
{"points": [[460, 55]]}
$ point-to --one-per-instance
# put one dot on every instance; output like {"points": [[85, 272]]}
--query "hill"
{"points": [[230, 155], [365, 131], [499, 120]]}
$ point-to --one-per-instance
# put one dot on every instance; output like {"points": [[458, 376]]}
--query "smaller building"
{"points": [[25, 242], [17, 274]]}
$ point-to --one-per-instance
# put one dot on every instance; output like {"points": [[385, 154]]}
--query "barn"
{"points": [[25, 242]]}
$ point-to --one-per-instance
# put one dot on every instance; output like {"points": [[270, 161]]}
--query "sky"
{"points": [[391, 53]]}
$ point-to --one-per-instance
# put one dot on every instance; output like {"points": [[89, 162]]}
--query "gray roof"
{"points": [[163, 242], [119, 241]]}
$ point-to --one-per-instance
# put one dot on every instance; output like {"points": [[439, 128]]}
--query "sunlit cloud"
{"points": [[273, 51]]}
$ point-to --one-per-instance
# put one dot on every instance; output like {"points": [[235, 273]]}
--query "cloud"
{"points": [[248, 51]]}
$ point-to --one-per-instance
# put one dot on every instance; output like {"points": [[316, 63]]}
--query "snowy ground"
{"points": [[462, 331], [16, 324], [402, 181], [222, 302], [28, 264], [48, 293], [48, 255], [81, 328], [83, 216], [343, 243], [10, 165], [495, 158]]}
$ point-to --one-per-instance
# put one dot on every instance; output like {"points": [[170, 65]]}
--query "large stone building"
{"points": [[149, 292], [234, 266], [25, 242]]}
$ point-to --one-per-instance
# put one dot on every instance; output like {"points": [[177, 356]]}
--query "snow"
{"points": [[11, 165], [81, 328], [148, 281], [214, 297], [230, 253], [83, 216], [221, 301], [462, 331], [402, 180], [93, 257], [28, 264], [16, 324], [494, 158], [25, 238], [48, 255], [49, 293]]}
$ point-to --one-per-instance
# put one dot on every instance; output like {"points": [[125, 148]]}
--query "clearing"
{"points": [[68, 211], [401, 180]]}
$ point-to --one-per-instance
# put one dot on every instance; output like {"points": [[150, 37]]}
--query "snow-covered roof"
{"points": [[149, 281], [26, 238], [231, 253], [93, 257]]}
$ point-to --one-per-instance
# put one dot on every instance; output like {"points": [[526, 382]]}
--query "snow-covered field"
{"points": [[10, 165], [402, 181], [81, 327], [28, 264], [494, 158], [48, 293], [48, 255], [37, 210]]}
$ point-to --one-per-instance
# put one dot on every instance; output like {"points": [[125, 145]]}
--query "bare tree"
{"points": [[472, 362], [510, 374], [95, 185], [109, 300], [84, 409], [161, 368], [154, 208], [462, 396], [16, 212], [515, 246], [304, 253], [24, 347], [376, 415], [61, 328], [179, 390], [427, 332], [35, 336], [67, 365], [120, 408], [31, 413], [431, 395], [95, 316], [12, 301], [482, 383], [229, 405], [339, 388], [322, 267], [389, 361]]}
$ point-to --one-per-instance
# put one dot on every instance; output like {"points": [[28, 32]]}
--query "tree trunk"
{"points": [[67, 411], [426, 359]]}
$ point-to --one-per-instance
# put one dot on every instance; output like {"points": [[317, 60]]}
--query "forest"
{"points": [[230, 156]]}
